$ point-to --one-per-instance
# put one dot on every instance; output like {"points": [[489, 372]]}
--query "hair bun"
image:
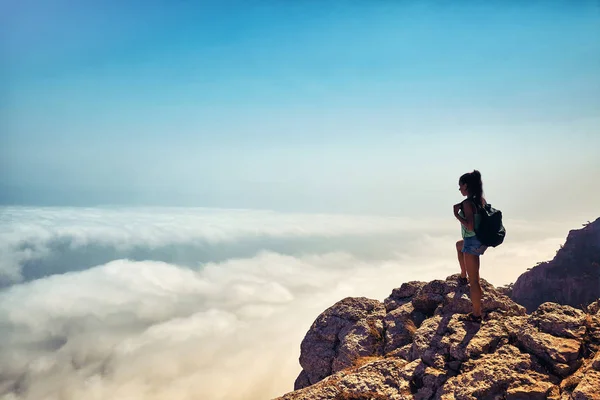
{"points": [[476, 174]]}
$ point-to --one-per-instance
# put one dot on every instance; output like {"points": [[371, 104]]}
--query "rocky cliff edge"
{"points": [[418, 345]]}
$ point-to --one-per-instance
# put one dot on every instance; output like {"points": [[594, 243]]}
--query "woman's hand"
{"points": [[457, 208]]}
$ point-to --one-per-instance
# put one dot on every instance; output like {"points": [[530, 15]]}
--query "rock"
{"points": [[529, 388], [423, 379], [435, 292], [506, 372], [594, 308], [468, 340], [582, 382], [431, 380], [413, 369], [420, 346], [432, 294], [571, 278], [400, 326], [588, 388], [377, 380], [457, 300], [403, 352], [349, 329], [425, 337], [451, 339], [558, 320], [592, 324], [562, 354], [402, 295], [596, 362], [302, 381]]}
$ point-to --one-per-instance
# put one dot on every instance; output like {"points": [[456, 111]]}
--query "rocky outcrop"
{"points": [[350, 329], [418, 344], [572, 277]]}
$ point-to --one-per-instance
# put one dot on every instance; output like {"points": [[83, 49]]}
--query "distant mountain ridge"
{"points": [[571, 278]]}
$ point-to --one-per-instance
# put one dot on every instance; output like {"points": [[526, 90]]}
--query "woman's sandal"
{"points": [[473, 318], [462, 281]]}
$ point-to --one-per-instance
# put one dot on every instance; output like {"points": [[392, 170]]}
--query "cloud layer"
{"points": [[196, 303]]}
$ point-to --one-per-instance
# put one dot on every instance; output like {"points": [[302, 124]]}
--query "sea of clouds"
{"points": [[191, 303]]}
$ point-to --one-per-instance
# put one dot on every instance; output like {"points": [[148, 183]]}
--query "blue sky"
{"points": [[330, 106]]}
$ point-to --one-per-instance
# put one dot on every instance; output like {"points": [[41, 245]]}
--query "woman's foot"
{"points": [[462, 281], [470, 317]]}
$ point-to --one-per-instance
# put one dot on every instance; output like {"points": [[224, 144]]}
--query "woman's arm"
{"points": [[469, 214], [469, 211]]}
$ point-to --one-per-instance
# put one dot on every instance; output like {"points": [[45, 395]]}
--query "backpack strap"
{"points": [[477, 206]]}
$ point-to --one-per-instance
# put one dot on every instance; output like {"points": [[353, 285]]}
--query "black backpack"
{"points": [[490, 231]]}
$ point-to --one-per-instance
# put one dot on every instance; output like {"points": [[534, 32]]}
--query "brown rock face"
{"points": [[377, 380], [350, 329], [418, 345], [572, 277], [506, 372]]}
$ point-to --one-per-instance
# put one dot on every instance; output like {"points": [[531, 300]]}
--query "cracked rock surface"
{"points": [[416, 344]]}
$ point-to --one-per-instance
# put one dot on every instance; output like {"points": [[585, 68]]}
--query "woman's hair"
{"points": [[474, 185]]}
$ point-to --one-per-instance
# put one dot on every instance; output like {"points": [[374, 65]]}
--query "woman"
{"points": [[470, 248]]}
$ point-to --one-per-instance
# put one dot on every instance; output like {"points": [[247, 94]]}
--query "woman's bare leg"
{"points": [[461, 258], [472, 265]]}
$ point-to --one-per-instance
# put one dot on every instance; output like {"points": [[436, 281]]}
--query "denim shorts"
{"points": [[473, 246]]}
